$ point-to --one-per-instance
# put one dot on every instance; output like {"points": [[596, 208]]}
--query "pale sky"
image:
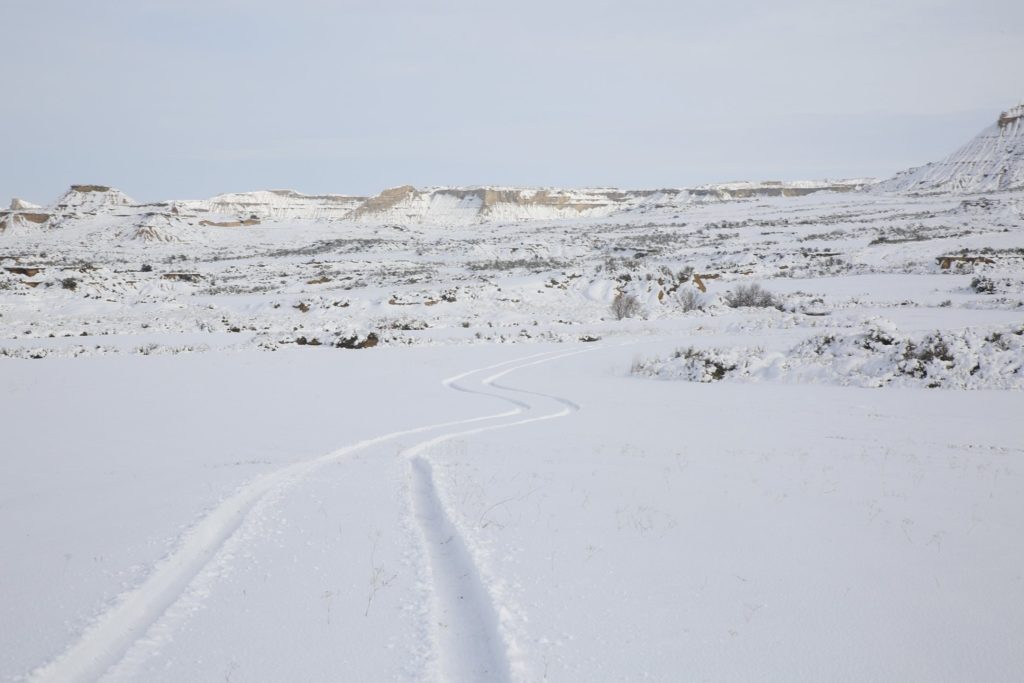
{"points": [[187, 98]]}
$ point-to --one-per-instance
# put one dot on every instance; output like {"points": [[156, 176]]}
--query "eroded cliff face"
{"points": [[1011, 116], [384, 202], [474, 204], [991, 162], [276, 204], [19, 220], [482, 204], [80, 201]]}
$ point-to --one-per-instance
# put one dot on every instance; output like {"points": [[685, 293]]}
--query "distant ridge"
{"points": [[185, 219]]}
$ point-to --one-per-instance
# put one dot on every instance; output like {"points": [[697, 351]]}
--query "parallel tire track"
{"points": [[114, 631], [467, 629]]}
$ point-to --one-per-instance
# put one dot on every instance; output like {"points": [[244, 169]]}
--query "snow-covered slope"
{"points": [[991, 162]]}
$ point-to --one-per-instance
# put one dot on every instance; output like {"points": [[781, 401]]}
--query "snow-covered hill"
{"points": [[992, 161]]}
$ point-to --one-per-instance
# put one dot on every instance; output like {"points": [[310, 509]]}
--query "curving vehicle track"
{"points": [[468, 646]]}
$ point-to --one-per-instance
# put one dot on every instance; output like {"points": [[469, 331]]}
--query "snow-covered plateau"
{"points": [[752, 431]]}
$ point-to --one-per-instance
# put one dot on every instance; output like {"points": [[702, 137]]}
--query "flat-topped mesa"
{"points": [[90, 188], [84, 200]]}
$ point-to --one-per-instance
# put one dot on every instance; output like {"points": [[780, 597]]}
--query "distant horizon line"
{"points": [[737, 184]]}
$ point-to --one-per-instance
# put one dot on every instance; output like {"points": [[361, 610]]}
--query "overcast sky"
{"points": [[182, 98]]}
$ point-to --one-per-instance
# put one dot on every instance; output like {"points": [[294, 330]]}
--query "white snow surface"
{"points": [[309, 515], [408, 439]]}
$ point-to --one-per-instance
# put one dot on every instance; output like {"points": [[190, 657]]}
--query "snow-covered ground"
{"points": [[261, 439], [275, 516]]}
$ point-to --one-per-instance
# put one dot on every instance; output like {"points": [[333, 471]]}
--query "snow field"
{"points": [[543, 541]]}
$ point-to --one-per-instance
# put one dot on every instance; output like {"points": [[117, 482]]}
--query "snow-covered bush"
{"points": [[753, 296], [880, 356], [983, 285], [625, 306], [690, 299]]}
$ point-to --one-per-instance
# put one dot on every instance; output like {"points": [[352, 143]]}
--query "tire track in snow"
{"points": [[467, 626], [104, 643]]}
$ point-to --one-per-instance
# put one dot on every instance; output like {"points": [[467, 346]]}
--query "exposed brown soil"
{"points": [[231, 224], [699, 278], [945, 262], [385, 200], [23, 270]]}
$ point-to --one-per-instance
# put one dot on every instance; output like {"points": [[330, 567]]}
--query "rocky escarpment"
{"points": [[991, 162], [776, 188], [276, 205], [20, 220], [475, 204], [481, 204]]}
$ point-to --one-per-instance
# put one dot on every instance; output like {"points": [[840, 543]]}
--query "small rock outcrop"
{"points": [[21, 205]]}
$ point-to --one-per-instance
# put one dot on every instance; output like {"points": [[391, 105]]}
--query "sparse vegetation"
{"points": [[354, 342], [625, 306], [983, 285], [534, 265], [876, 357], [837, 234], [690, 299], [692, 364], [750, 296]]}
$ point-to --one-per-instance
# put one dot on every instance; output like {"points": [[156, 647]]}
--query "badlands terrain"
{"points": [[746, 431]]}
